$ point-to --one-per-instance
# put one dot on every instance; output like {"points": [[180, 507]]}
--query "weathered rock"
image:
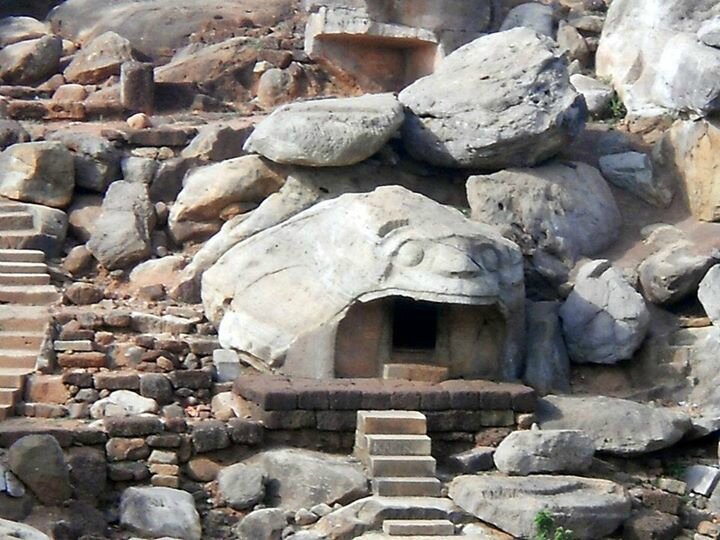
{"points": [[163, 272], [123, 403], [709, 294], [590, 508], [265, 524], [37, 172], [156, 386], [604, 319], [12, 132], [651, 524], [122, 232], [425, 268], [642, 48], [83, 214], [633, 171], [574, 45], [473, 461], [503, 100], [210, 435], [300, 478], [210, 191], [30, 62], [547, 366], [565, 209], [217, 143], [12, 530], [597, 94], [160, 511], [690, 150], [39, 462], [16, 29], [99, 59], [673, 273], [618, 426], [709, 32], [97, 160], [137, 87], [241, 486], [328, 132], [82, 294], [88, 472], [546, 451], [538, 17]]}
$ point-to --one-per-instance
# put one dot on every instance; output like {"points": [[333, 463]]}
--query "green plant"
{"points": [[676, 469], [545, 528], [618, 111]]}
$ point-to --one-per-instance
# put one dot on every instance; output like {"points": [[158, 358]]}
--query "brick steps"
{"points": [[25, 292]]}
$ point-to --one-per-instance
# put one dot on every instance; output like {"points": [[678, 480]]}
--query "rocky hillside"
{"points": [[232, 231]]}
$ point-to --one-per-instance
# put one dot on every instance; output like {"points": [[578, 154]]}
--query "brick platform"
{"points": [[330, 405]]}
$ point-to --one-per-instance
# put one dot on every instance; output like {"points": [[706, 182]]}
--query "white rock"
{"points": [[12, 531], [241, 486], [604, 319], [502, 100], [709, 32], [328, 132], [123, 403], [534, 15], [160, 511], [598, 95], [709, 294], [546, 451], [673, 273]]}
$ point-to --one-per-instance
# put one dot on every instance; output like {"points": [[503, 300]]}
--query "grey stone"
{"points": [[547, 365], [534, 15], [617, 426], [39, 462], [604, 319], [210, 435], [217, 143], [709, 294], [139, 169], [265, 524], [709, 32], [97, 160], [301, 479], [156, 386], [12, 132], [30, 62], [241, 486], [37, 172], [13, 530], [160, 511], [329, 132], [137, 87], [652, 524], [598, 95], [590, 508], [546, 451], [702, 479], [472, 461], [633, 171], [17, 29], [673, 273], [565, 209], [99, 59], [227, 365], [502, 100], [122, 232]]}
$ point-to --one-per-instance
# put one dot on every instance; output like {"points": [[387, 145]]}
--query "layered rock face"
{"points": [[651, 51]]}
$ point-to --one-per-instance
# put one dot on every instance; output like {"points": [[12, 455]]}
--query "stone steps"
{"points": [[401, 466], [406, 487], [25, 292], [16, 221], [420, 527]]}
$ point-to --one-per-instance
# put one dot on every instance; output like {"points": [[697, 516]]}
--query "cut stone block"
{"points": [[415, 372], [395, 445], [406, 487], [391, 422], [227, 365], [402, 466], [702, 479], [434, 527]]}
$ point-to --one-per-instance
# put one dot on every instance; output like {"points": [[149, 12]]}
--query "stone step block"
{"points": [[21, 341], [415, 372], [6, 411], [76, 345], [9, 396], [406, 487], [19, 267], [391, 422], [401, 466], [13, 221], [429, 527], [13, 377], [32, 295], [18, 359], [82, 360], [394, 445], [22, 255], [24, 279]]}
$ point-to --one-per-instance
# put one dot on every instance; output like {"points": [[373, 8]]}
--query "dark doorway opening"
{"points": [[415, 325]]}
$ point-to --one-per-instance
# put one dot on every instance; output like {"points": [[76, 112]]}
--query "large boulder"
{"points": [[689, 150], [644, 50], [12, 530], [590, 508], [99, 59], [328, 132], [546, 451], [122, 233], [604, 319], [500, 101], [241, 486], [564, 209], [38, 172], [231, 186], [411, 246], [30, 62], [301, 479], [547, 365], [39, 462], [617, 426], [265, 524], [16, 29], [674, 272], [97, 160], [160, 511]]}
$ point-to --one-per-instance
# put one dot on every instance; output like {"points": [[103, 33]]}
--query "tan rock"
{"points": [[100, 59], [139, 121], [46, 389]]}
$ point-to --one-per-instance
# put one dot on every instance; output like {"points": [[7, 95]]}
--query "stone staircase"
{"points": [[395, 448], [25, 294]]}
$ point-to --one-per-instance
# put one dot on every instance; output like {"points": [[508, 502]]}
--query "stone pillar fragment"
{"points": [[137, 87]]}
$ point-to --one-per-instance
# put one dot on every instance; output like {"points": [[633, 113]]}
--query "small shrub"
{"points": [[545, 528], [618, 111]]}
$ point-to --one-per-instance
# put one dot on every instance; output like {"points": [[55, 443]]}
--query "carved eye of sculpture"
{"points": [[490, 259], [410, 254]]}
